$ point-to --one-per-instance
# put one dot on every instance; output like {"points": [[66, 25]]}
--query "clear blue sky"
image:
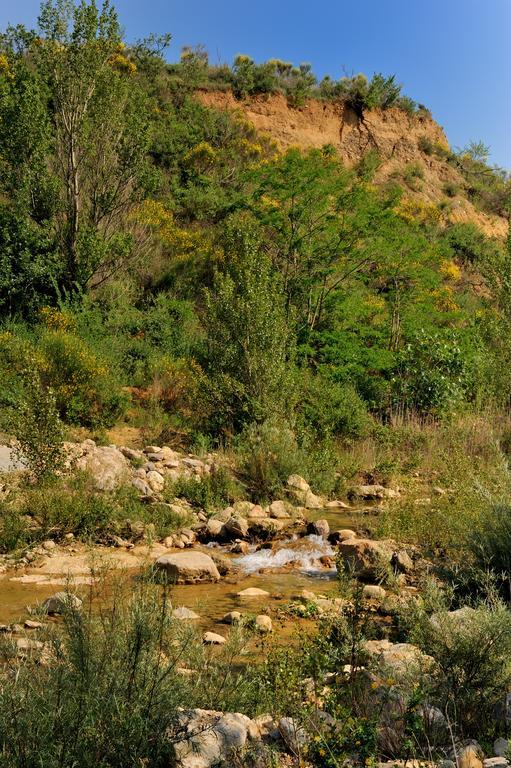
{"points": [[454, 56]]}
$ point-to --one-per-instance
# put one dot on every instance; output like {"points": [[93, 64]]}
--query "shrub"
{"points": [[248, 339], [213, 491], [368, 165], [332, 409], [111, 682], [268, 454], [472, 650], [426, 145], [85, 391], [491, 543], [34, 421], [412, 173], [450, 189], [433, 372]]}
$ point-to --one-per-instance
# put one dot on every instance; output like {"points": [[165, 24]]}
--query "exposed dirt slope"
{"points": [[393, 133]]}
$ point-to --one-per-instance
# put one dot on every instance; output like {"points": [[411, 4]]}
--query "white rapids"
{"points": [[303, 553]]}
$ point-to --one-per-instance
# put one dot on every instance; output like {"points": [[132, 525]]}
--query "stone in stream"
{"points": [[336, 504], [188, 567], [61, 602], [214, 527], [253, 592], [319, 528], [278, 510], [365, 557], [233, 617], [334, 537], [184, 614], [237, 526], [212, 638]]}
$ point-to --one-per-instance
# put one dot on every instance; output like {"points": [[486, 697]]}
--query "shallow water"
{"points": [[293, 566]]}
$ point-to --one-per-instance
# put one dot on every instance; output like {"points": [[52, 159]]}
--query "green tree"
{"points": [[248, 340], [75, 126]]}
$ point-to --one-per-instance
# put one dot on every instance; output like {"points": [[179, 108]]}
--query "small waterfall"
{"points": [[304, 554]]}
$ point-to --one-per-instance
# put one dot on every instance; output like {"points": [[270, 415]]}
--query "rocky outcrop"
{"points": [[396, 136]]}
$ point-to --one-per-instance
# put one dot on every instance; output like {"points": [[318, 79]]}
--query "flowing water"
{"points": [[283, 569]]}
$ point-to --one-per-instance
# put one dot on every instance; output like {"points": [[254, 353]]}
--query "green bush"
{"points": [[331, 409], [268, 454], [490, 543], [472, 650], [215, 490], [34, 422]]}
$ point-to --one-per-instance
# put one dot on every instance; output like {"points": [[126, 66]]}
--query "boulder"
{"points": [[297, 483], [256, 513], [400, 659], [61, 602], [372, 492], [212, 638], [184, 614], [203, 739], [278, 510], [155, 481], [311, 501], [240, 548], [106, 464], [336, 504], [501, 747], [294, 736], [365, 557], [263, 623], [188, 567], [214, 528], [237, 526], [233, 617], [253, 592], [495, 762], [402, 561], [319, 528], [344, 533], [373, 592], [141, 485]]}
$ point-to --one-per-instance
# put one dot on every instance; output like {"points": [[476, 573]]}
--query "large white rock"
{"points": [[188, 567], [206, 738], [105, 463]]}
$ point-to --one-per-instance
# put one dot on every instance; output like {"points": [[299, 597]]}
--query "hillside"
{"points": [[395, 135]]}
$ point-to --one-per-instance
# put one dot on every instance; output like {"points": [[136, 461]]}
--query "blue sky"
{"points": [[454, 56]]}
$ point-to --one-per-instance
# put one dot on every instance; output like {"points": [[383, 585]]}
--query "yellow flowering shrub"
{"points": [[122, 64], [450, 270], [84, 388], [5, 68], [418, 212]]}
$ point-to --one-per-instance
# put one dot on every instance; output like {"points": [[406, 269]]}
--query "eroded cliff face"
{"points": [[395, 135]]}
